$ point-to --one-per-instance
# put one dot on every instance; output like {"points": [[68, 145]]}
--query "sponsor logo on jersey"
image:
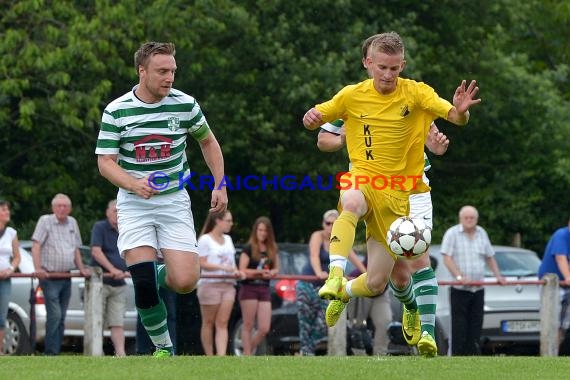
{"points": [[152, 148]]}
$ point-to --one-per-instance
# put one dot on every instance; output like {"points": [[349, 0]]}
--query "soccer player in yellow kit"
{"points": [[385, 122]]}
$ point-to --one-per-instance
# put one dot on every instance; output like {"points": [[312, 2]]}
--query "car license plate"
{"points": [[520, 326]]}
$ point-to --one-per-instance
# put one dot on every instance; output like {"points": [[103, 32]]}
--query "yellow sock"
{"points": [[358, 287], [342, 234], [335, 271]]}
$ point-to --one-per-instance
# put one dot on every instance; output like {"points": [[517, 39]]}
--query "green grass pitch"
{"points": [[283, 367]]}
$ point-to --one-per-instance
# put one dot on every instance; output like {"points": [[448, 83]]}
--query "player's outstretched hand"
{"points": [[465, 97]]}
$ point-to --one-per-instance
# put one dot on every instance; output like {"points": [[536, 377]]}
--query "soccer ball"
{"points": [[409, 237]]}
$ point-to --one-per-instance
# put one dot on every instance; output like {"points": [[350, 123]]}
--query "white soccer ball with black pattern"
{"points": [[409, 237]]}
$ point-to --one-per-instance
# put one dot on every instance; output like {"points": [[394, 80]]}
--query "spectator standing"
{"points": [[216, 295], [55, 248], [105, 254], [310, 307], [9, 261], [259, 260], [466, 249], [555, 260]]}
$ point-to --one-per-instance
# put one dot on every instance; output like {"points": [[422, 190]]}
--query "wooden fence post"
{"points": [[336, 343], [549, 315], [93, 323]]}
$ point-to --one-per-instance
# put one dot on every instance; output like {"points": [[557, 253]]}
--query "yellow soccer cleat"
{"points": [[336, 306], [427, 346], [411, 326], [331, 290], [334, 311]]}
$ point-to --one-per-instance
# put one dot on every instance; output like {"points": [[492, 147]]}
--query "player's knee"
{"points": [[422, 262], [186, 289], [182, 284], [400, 279], [377, 285], [144, 283], [354, 202], [353, 205]]}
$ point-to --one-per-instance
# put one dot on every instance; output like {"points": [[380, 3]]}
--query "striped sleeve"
{"points": [[109, 137], [333, 127]]}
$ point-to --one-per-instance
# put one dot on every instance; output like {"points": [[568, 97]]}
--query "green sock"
{"points": [[154, 321], [405, 296], [161, 277], [426, 290]]}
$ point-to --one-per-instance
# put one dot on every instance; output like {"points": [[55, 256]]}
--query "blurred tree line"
{"points": [[256, 66]]}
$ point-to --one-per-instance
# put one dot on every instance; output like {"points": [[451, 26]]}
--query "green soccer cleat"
{"points": [[162, 353], [411, 326], [331, 290], [427, 346]]}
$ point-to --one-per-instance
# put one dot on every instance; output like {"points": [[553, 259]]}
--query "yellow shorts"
{"points": [[383, 208]]}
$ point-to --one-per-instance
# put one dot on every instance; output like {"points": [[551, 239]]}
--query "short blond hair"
{"points": [[388, 43]]}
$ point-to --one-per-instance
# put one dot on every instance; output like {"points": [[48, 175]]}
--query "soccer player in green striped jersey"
{"points": [[141, 149]]}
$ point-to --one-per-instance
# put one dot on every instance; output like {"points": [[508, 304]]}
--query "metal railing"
{"points": [[93, 324]]}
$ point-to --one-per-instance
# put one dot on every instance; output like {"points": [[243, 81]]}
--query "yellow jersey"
{"points": [[385, 134]]}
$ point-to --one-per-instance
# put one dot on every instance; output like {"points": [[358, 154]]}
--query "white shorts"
{"points": [[421, 207], [163, 221]]}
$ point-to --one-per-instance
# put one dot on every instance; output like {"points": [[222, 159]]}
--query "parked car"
{"points": [[511, 323], [18, 338]]}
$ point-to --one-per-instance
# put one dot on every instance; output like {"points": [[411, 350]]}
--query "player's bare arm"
{"points": [[330, 142], [463, 98], [437, 142], [215, 160], [312, 119], [109, 169]]}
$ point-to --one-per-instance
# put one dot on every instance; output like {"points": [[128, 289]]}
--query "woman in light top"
{"points": [[216, 295], [9, 261]]}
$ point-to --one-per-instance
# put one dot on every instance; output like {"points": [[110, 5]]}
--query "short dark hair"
{"points": [[148, 49], [4, 203]]}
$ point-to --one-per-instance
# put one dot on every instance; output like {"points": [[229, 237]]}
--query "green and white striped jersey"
{"points": [[151, 138]]}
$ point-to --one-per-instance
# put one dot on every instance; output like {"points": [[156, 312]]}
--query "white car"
{"points": [[20, 324]]}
